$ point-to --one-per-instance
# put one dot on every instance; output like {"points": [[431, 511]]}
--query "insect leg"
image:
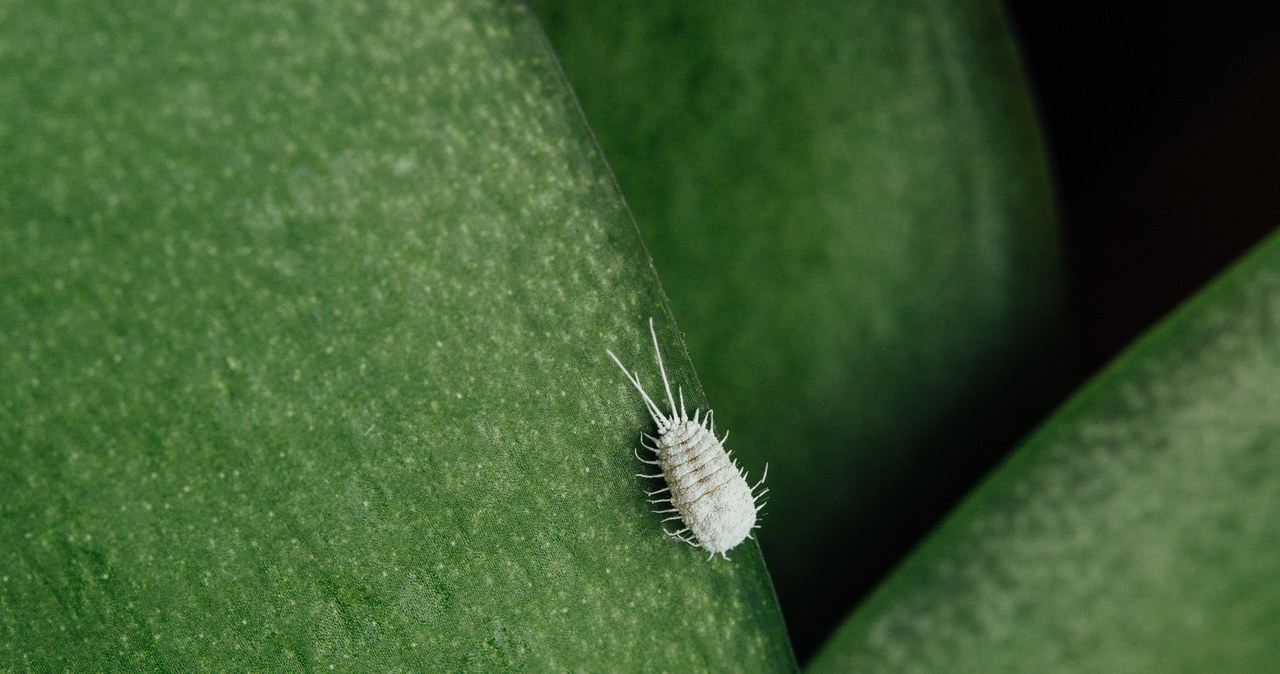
{"points": [[652, 463]]}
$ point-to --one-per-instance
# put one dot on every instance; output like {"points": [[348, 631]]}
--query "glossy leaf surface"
{"points": [[1135, 532], [849, 207]]}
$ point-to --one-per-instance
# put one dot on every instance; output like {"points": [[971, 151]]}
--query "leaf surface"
{"points": [[849, 206], [303, 328], [1135, 532]]}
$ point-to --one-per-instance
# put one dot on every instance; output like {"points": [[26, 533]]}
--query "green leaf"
{"points": [[302, 335], [849, 206], [1136, 531]]}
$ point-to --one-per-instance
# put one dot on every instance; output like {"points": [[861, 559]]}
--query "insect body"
{"points": [[706, 490]]}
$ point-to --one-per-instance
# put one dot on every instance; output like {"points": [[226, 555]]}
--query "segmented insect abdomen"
{"points": [[707, 491], [711, 496]]}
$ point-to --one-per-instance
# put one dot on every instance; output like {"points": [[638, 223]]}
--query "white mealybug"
{"points": [[706, 490]]}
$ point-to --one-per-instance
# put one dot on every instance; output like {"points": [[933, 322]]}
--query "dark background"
{"points": [[1163, 122], [1163, 127]]}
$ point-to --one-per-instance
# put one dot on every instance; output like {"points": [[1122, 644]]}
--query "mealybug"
{"points": [[706, 490]]}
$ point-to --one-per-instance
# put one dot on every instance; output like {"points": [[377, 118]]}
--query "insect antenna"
{"points": [[671, 399], [658, 417]]}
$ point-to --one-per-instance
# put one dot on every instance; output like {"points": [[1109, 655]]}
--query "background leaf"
{"points": [[1136, 531], [850, 210], [303, 328]]}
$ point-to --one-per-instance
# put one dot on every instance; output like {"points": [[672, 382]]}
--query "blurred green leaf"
{"points": [[849, 207], [1136, 531], [302, 333]]}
